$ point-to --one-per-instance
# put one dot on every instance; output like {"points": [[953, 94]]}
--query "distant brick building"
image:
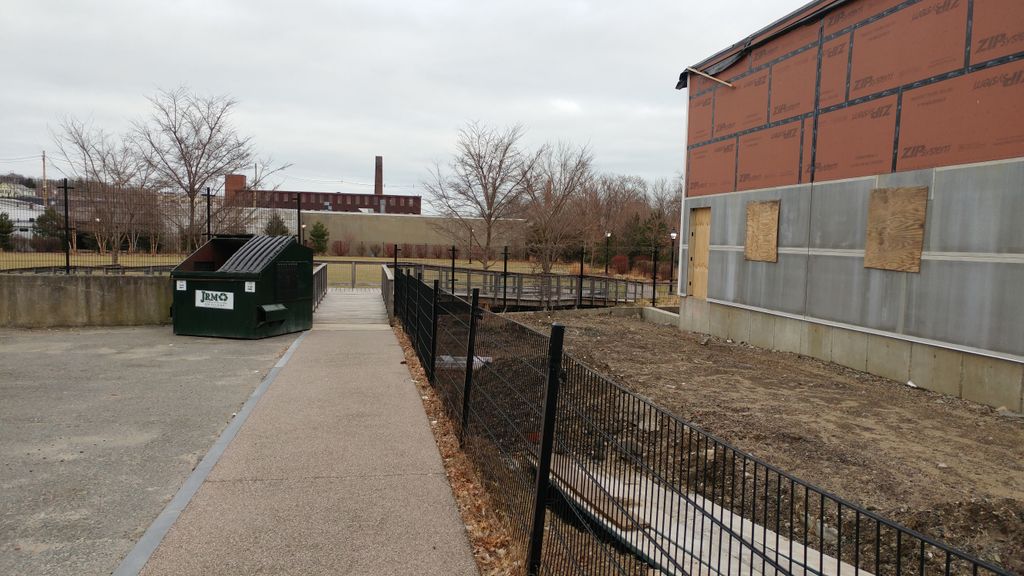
{"points": [[236, 193]]}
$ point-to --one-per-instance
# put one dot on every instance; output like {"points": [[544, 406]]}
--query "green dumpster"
{"points": [[244, 287]]}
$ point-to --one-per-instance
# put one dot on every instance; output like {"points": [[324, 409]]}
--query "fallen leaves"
{"points": [[492, 546]]}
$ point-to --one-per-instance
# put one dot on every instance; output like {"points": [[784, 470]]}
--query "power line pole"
{"points": [[46, 194], [67, 230], [298, 217]]}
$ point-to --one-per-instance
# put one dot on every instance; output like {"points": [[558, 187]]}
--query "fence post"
{"points": [[547, 441], [298, 217], [452, 250], [67, 229], [406, 290], [467, 388], [209, 228], [579, 288], [654, 294], [400, 296], [433, 332], [504, 280]]}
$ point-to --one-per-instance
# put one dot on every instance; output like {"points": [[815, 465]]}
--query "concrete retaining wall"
{"points": [[658, 316], [996, 382], [51, 301]]}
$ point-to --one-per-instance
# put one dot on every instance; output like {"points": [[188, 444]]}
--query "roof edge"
{"points": [[727, 56]]}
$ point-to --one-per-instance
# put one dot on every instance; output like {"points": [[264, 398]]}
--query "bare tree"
{"points": [[190, 142], [484, 183], [553, 187], [111, 172], [96, 155], [666, 200]]}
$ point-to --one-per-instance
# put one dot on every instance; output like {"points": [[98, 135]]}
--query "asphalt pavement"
{"points": [[99, 428]]}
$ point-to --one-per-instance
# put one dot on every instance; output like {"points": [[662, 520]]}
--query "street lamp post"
{"points": [[607, 241], [672, 258], [298, 217], [208, 235]]}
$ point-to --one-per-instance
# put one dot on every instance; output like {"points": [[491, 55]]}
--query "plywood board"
{"points": [[835, 60], [699, 250], [699, 123], [742, 107], [997, 29], [972, 118], [806, 153], [793, 81], [769, 157], [711, 169], [856, 140], [895, 235], [762, 243], [912, 44]]}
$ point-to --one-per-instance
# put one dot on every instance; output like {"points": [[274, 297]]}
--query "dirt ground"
{"points": [[949, 468]]}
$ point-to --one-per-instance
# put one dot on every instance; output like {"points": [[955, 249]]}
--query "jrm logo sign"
{"points": [[210, 299]]}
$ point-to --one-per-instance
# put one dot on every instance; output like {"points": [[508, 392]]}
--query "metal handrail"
{"points": [[319, 285]]}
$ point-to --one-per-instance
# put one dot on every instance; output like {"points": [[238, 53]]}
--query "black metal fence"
{"points": [[593, 479], [76, 226], [319, 285], [521, 290]]}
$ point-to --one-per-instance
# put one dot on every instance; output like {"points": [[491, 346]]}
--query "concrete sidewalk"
{"points": [[334, 472]]}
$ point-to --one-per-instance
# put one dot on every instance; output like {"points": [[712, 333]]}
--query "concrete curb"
{"points": [[136, 560]]}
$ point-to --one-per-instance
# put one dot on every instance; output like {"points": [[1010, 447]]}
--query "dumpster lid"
{"points": [[256, 254]]}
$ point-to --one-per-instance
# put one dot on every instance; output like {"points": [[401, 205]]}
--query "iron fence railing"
{"points": [[387, 290], [319, 285], [504, 290], [510, 290], [76, 226], [593, 479]]}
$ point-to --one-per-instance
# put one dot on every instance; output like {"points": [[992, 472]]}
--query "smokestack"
{"points": [[378, 176]]}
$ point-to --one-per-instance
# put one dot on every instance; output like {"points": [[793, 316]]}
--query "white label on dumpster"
{"points": [[250, 286], [210, 299], [179, 285]]}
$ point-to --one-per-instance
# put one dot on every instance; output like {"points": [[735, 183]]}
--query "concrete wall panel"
{"points": [[840, 289], [936, 369], [889, 357], [977, 209], [774, 285], [976, 304], [839, 214], [993, 382], [816, 341], [724, 275], [850, 349], [48, 301]]}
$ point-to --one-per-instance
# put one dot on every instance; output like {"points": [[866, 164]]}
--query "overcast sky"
{"points": [[327, 85]]}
